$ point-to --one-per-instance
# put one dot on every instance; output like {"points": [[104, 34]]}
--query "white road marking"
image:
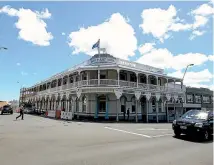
{"points": [[153, 129], [161, 135], [133, 133]]}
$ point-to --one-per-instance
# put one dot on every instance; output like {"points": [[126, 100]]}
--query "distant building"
{"points": [[198, 98], [3, 103], [195, 98], [14, 104]]}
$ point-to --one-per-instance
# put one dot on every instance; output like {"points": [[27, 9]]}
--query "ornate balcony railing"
{"points": [[110, 82]]}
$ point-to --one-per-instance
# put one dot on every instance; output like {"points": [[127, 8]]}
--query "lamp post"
{"points": [[182, 85]]}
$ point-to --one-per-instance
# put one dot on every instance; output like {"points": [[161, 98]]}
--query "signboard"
{"points": [[140, 66], [111, 60], [102, 60]]}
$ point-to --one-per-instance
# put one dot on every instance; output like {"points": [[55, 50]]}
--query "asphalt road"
{"points": [[42, 141]]}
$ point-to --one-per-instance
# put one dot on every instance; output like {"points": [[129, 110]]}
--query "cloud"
{"points": [[63, 33], [31, 25], [163, 58], [199, 21], [147, 47], [159, 22], [116, 35], [211, 57], [18, 64], [24, 73], [195, 79], [203, 10], [196, 33]]}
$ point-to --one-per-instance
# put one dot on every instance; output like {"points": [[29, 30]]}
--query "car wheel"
{"points": [[177, 133]]}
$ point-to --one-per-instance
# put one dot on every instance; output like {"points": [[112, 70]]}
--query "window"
{"points": [[59, 82], [53, 83], [206, 99], [102, 76], [197, 99], [65, 79], [190, 98], [153, 105], [123, 76], [71, 79], [133, 104], [48, 85], [133, 78], [142, 79]]}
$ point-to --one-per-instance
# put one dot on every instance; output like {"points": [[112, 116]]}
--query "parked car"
{"points": [[7, 109], [195, 123]]}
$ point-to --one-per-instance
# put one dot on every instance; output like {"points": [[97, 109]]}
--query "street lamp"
{"points": [[183, 83]]}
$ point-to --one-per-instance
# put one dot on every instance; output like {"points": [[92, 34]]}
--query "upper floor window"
{"points": [[48, 85], [142, 79], [197, 99], [71, 78], [133, 78], [123, 76], [206, 99], [190, 98], [59, 82], [65, 79]]}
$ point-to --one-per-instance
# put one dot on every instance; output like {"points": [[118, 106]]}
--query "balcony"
{"points": [[111, 83]]}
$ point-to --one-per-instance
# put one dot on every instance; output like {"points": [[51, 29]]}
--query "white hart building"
{"points": [[105, 87]]}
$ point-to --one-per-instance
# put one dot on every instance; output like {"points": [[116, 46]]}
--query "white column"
{"points": [[118, 77], [147, 111], [117, 109], [156, 105], [98, 77], [137, 79], [136, 111]]}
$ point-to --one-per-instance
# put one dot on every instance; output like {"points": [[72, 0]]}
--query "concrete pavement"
{"points": [[42, 141]]}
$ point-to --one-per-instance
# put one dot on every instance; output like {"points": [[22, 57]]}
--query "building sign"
{"points": [[112, 60], [140, 66], [103, 60]]}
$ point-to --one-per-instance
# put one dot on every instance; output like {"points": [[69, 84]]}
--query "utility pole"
{"points": [[182, 86]]}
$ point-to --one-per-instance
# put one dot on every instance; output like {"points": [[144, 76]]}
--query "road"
{"points": [[41, 141]]}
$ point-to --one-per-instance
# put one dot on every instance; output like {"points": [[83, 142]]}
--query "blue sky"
{"points": [[44, 38]]}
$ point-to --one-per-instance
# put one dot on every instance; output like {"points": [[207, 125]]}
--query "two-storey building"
{"points": [[198, 98], [105, 87]]}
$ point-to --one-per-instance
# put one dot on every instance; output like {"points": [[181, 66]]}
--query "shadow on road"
{"points": [[193, 139]]}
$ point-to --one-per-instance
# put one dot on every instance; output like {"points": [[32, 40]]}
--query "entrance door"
{"points": [[102, 104]]}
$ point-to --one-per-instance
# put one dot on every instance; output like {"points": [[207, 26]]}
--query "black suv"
{"points": [[196, 123], [7, 109]]}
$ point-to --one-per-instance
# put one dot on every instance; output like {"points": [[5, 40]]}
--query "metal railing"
{"points": [[109, 82]]}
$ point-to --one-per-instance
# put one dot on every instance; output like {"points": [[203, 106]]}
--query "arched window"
{"points": [[59, 82], [133, 104], [153, 104], [123, 103], [71, 78], [65, 79]]}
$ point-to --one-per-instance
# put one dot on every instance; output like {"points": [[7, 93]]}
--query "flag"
{"points": [[96, 45]]}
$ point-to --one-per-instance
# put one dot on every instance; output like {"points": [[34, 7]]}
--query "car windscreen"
{"points": [[195, 115], [6, 106]]}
